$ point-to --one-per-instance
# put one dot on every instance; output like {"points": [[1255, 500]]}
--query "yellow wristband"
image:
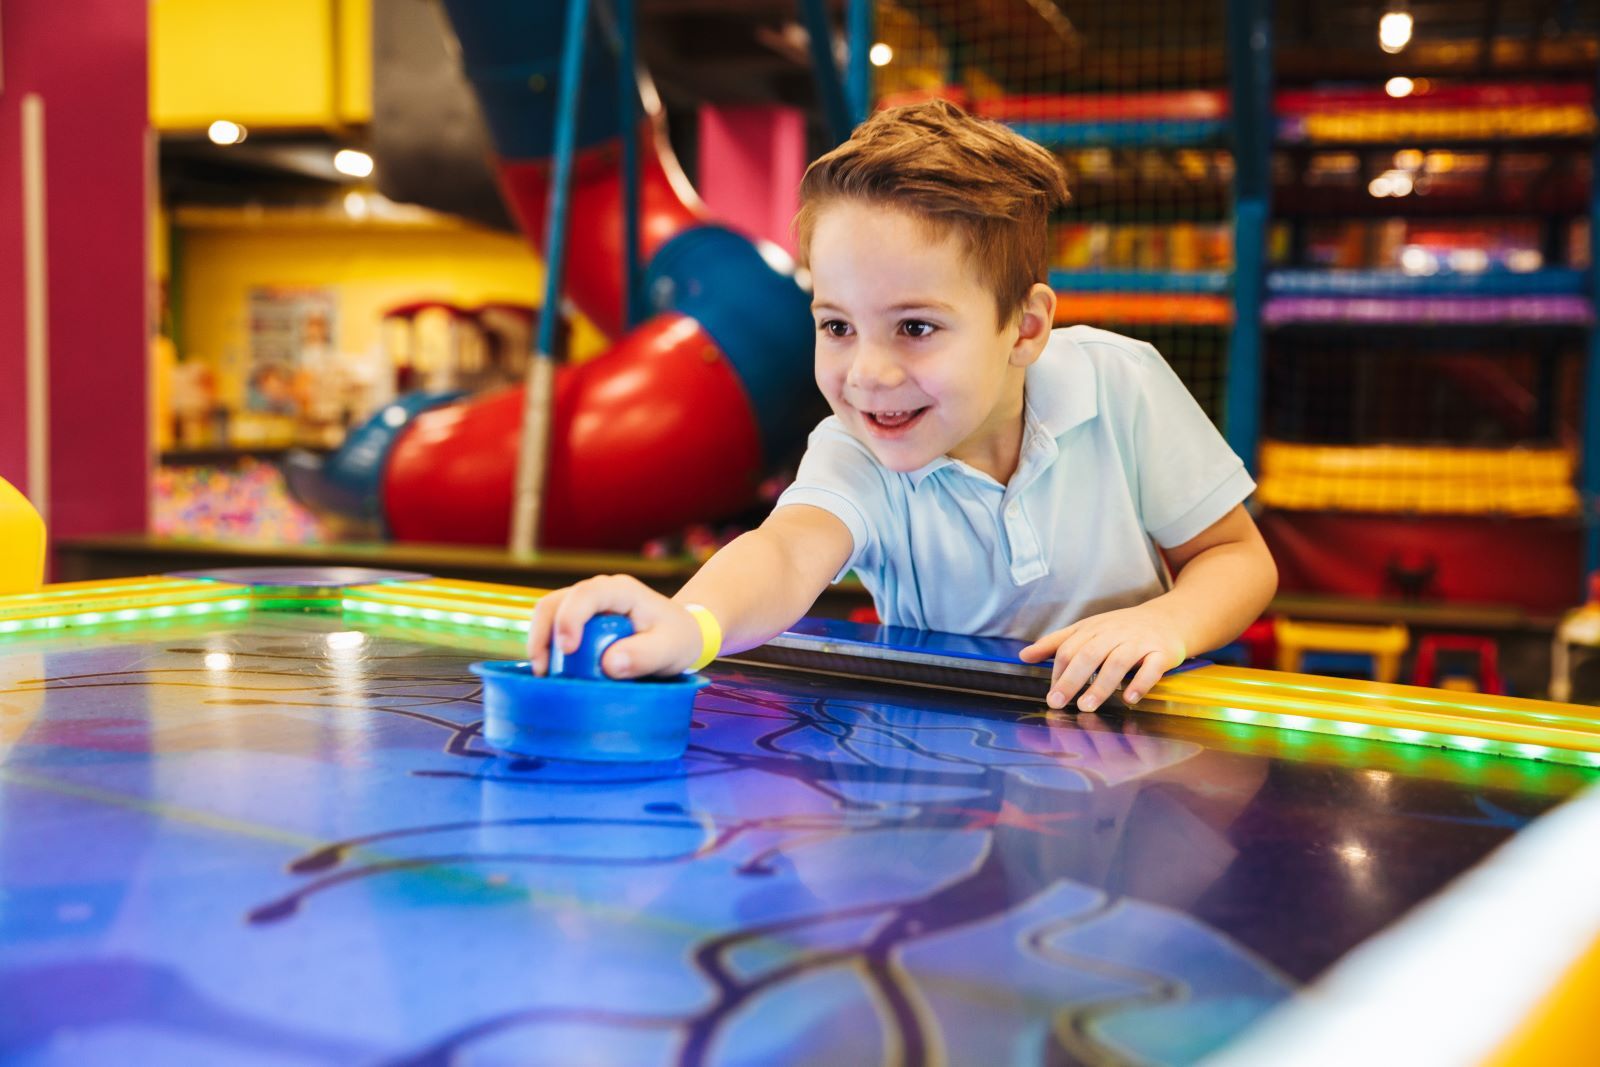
{"points": [[710, 635]]}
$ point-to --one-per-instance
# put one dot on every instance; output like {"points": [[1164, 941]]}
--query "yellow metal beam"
{"points": [[285, 64]]}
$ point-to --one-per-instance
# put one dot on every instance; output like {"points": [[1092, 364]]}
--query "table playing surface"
{"points": [[278, 838]]}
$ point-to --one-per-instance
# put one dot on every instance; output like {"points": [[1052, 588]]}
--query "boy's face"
{"points": [[909, 351]]}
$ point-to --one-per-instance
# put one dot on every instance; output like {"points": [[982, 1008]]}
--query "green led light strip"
{"points": [[1356, 695], [1507, 722], [101, 618], [451, 615], [1480, 768], [308, 604], [1405, 736]]}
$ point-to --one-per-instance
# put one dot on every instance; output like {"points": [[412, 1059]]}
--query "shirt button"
{"points": [[1013, 510]]}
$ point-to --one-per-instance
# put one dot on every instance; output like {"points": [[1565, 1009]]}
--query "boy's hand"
{"points": [[1109, 645], [666, 638]]}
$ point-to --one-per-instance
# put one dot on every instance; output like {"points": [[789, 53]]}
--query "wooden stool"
{"points": [[21, 543], [1385, 644]]}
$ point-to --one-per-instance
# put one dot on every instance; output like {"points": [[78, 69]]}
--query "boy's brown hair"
{"points": [[993, 187]]}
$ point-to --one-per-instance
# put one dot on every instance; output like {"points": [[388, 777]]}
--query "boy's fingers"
{"points": [[645, 653], [1039, 652], [1045, 646], [1063, 656], [1150, 672], [1072, 673], [585, 600], [544, 613], [1112, 671]]}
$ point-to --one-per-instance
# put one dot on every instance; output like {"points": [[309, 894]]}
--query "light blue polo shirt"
{"points": [[1117, 458]]}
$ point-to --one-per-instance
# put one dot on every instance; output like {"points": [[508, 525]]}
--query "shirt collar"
{"points": [[1059, 393], [1061, 386], [924, 472]]}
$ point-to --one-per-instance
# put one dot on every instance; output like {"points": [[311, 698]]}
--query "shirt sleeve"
{"points": [[839, 475], [1187, 476]]}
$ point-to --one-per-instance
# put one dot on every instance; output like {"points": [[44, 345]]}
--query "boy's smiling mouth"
{"points": [[892, 423]]}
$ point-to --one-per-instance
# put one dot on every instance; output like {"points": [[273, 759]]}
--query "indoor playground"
{"points": [[335, 335]]}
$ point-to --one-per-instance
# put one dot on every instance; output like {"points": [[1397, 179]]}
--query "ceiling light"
{"points": [[224, 132], [880, 54], [1394, 31], [1414, 259], [355, 164]]}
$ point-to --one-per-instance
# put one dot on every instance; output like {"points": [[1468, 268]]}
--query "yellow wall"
{"points": [[370, 267]]}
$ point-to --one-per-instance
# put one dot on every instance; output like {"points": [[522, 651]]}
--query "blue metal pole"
{"points": [[538, 395], [826, 69], [858, 87], [1250, 85], [561, 176], [1589, 485], [628, 95]]}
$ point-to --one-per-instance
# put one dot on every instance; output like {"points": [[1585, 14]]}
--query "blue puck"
{"points": [[599, 633]]}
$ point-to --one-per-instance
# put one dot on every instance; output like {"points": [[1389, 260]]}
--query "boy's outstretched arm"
{"points": [[756, 587], [1224, 579]]}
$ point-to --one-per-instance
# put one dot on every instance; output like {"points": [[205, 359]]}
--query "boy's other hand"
{"points": [[666, 638], [1108, 646]]}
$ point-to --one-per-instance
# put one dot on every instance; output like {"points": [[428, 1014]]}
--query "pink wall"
{"points": [[87, 59], [751, 161]]}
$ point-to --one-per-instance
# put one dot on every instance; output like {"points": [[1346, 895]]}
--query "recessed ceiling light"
{"points": [[224, 132], [355, 164]]}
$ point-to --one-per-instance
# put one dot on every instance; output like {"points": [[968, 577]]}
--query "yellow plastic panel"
{"points": [[265, 63], [1560, 1032], [1384, 478], [1572, 120], [21, 542]]}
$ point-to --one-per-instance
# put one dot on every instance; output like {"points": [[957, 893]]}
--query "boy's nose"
{"points": [[874, 368]]}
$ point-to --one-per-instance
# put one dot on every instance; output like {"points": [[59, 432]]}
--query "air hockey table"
{"points": [[248, 818]]}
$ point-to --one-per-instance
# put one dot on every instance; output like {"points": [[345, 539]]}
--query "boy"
{"points": [[980, 473]]}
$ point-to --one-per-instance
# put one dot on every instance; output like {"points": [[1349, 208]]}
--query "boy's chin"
{"points": [[896, 458], [900, 456]]}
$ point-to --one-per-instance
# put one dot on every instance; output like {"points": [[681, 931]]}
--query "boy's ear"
{"points": [[1034, 325]]}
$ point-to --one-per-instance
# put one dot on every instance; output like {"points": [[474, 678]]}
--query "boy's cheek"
{"points": [[830, 383]]}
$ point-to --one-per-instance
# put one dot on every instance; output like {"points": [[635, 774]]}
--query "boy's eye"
{"points": [[917, 328], [834, 327]]}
